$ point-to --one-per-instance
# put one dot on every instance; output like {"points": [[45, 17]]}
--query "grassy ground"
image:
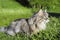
{"points": [[11, 10]]}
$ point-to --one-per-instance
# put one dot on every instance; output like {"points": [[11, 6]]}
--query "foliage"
{"points": [[51, 5], [11, 10]]}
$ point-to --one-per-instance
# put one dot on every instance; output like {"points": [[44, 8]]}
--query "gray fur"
{"points": [[29, 26]]}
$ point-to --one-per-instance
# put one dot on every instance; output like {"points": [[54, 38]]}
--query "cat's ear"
{"points": [[40, 12], [45, 10]]}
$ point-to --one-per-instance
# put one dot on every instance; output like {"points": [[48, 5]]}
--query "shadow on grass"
{"points": [[57, 15], [24, 3]]}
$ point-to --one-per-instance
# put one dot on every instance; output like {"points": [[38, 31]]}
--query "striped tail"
{"points": [[3, 29], [7, 31]]}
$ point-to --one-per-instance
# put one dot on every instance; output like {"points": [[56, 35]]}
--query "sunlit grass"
{"points": [[11, 14], [51, 33], [11, 10]]}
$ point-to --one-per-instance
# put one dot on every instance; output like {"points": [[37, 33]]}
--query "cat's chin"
{"points": [[42, 25], [47, 21]]}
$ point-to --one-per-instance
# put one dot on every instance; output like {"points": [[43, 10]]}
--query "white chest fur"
{"points": [[42, 25]]}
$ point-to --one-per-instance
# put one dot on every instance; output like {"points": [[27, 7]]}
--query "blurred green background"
{"points": [[14, 9]]}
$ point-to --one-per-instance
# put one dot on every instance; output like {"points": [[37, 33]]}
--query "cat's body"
{"points": [[32, 25]]}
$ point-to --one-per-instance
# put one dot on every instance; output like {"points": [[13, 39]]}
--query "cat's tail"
{"points": [[7, 31], [3, 29]]}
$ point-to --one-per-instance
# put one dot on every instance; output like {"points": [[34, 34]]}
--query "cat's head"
{"points": [[43, 15]]}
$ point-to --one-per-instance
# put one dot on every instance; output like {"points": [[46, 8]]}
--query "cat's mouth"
{"points": [[47, 21]]}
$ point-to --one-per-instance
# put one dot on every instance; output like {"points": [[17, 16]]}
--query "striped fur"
{"points": [[29, 26]]}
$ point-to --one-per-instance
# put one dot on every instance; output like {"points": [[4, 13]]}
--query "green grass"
{"points": [[51, 33], [7, 15], [11, 10]]}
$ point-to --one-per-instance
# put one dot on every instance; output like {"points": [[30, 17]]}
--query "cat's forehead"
{"points": [[42, 13]]}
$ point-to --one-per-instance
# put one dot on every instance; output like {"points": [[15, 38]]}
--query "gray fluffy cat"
{"points": [[29, 26]]}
